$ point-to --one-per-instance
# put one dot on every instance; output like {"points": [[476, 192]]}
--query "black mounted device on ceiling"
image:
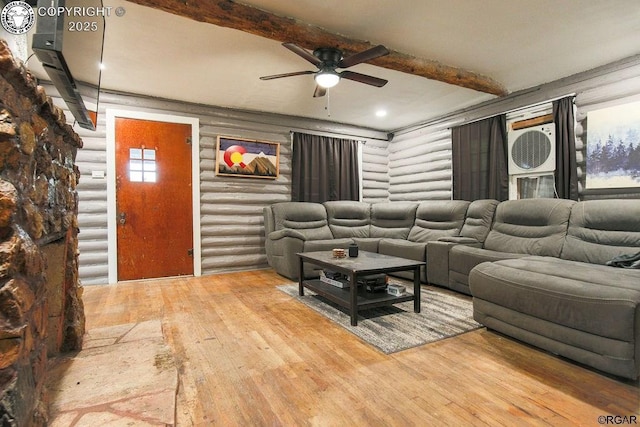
{"points": [[70, 46], [328, 59]]}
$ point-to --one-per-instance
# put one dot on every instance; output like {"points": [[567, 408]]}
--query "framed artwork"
{"points": [[613, 147], [247, 158]]}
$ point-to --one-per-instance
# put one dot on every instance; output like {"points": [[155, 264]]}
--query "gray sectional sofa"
{"points": [[536, 268], [398, 228]]}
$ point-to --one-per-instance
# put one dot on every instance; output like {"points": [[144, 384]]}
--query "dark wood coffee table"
{"points": [[365, 264]]}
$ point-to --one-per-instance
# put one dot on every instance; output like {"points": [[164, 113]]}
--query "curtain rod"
{"points": [[460, 117], [526, 107], [334, 135]]}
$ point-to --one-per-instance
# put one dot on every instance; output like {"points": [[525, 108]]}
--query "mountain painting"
{"points": [[247, 158], [613, 147]]}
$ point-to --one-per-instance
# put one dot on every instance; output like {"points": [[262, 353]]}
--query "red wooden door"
{"points": [[153, 199]]}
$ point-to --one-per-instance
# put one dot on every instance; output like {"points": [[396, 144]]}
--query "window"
{"points": [[532, 187], [142, 165]]}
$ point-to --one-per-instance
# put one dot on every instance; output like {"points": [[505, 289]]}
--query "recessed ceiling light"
{"points": [[381, 113], [101, 65]]}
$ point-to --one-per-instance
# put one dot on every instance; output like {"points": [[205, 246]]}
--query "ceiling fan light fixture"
{"points": [[327, 60], [327, 78]]}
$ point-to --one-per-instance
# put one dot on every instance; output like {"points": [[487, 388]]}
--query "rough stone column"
{"points": [[38, 212]]}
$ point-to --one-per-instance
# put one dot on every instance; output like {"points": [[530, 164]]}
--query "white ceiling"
{"points": [[518, 43]]}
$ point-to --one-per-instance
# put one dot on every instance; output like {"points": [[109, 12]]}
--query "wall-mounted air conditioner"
{"points": [[532, 150]]}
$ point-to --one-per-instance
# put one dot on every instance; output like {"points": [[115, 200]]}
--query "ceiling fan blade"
{"points": [[364, 56], [320, 91], [279, 76], [303, 53], [363, 78]]}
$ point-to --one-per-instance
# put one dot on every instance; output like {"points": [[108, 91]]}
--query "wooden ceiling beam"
{"points": [[229, 14]]}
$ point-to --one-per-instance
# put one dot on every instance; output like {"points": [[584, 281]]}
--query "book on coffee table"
{"points": [[334, 279]]}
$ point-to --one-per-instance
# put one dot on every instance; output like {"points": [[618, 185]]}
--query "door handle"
{"points": [[123, 218]]}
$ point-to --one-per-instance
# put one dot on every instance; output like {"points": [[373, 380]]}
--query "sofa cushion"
{"points": [[438, 218], [369, 244], [600, 230], [392, 220], [348, 218], [403, 249], [462, 258], [530, 226], [326, 245], [593, 298], [309, 219], [478, 219]]}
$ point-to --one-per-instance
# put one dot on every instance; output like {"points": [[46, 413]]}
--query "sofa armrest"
{"points": [[438, 257], [281, 247], [286, 232]]}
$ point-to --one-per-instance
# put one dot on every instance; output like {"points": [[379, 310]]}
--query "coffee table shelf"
{"points": [[357, 298], [343, 296]]}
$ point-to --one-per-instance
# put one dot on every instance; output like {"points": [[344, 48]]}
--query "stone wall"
{"points": [[41, 311]]}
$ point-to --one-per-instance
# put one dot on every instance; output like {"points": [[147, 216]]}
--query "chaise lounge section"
{"points": [[572, 304]]}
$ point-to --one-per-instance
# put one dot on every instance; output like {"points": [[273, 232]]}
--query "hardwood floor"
{"points": [[249, 355]]}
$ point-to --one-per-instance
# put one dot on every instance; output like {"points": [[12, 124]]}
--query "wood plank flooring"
{"points": [[249, 355]]}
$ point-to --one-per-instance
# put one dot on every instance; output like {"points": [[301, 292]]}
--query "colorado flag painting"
{"points": [[247, 158]]}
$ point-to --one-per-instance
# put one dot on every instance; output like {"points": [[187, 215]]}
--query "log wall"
{"points": [[420, 165], [375, 171]]}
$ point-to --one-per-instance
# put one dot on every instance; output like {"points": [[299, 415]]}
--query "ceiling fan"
{"points": [[327, 59]]}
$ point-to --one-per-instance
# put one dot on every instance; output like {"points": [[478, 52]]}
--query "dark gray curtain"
{"points": [[479, 157], [324, 169], [566, 166]]}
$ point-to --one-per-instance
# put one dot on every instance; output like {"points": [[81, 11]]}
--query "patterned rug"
{"points": [[395, 328]]}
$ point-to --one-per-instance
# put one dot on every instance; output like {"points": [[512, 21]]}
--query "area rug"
{"points": [[396, 328]]}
